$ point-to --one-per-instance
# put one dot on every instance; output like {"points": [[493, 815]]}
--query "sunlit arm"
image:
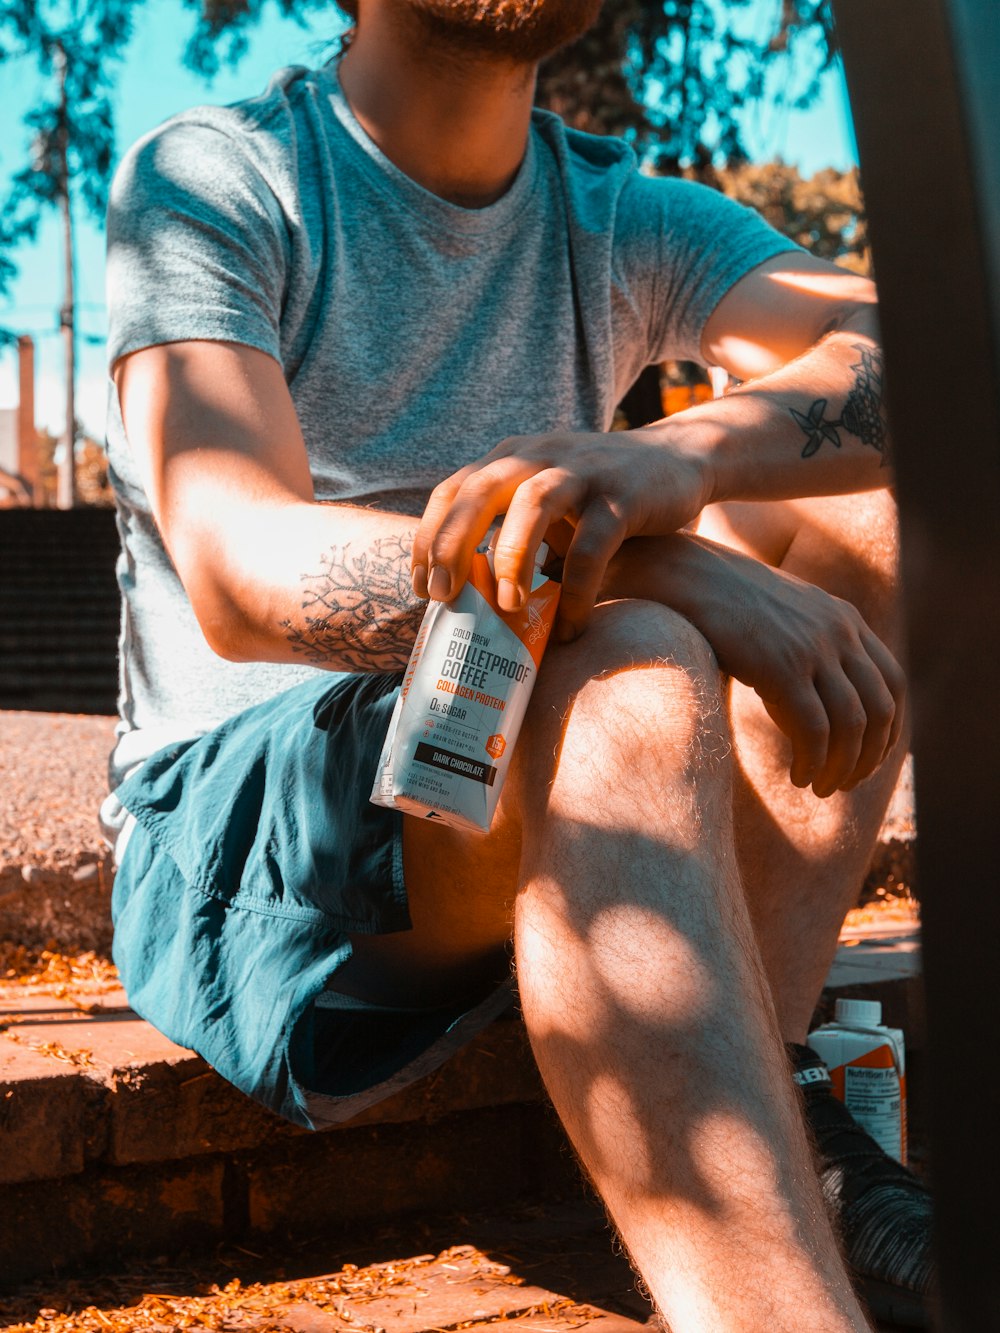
{"points": [[271, 574], [808, 420], [809, 417]]}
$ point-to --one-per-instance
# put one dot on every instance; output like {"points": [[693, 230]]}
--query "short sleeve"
{"points": [[197, 246], [679, 248]]}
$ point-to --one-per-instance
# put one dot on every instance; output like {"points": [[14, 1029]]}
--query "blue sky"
{"points": [[152, 86]]}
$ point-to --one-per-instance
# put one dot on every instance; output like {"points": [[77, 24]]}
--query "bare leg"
{"points": [[642, 988], [802, 859], [645, 1001]]}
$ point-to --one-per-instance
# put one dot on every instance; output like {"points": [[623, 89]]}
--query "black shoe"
{"points": [[880, 1210]]}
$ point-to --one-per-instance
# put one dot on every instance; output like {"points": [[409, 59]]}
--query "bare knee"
{"points": [[863, 528], [631, 647], [639, 690], [845, 544], [849, 545]]}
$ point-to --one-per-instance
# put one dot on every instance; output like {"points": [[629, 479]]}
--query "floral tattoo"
{"points": [[359, 611], [863, 413]]}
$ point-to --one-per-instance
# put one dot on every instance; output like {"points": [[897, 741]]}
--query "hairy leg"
{"points": [[803, 859], [642, 987]]}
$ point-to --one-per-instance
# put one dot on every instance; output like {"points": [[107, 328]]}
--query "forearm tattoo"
{"points": [[359, 611], [863, 414]]}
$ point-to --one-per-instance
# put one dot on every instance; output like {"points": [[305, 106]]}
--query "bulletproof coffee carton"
{"points": [[463, 699], [867, 1064]]}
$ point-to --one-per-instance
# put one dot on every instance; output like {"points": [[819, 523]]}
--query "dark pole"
{"points": [[923, 77], [66, 483]]}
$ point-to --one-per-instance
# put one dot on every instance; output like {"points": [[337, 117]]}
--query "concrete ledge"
{"points": [[97, 1084], [118, 1143], [55, 869], [337, 1185]]}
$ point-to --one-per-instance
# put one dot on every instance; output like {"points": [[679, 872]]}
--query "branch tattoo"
{"points": [[863, 414], [359, 610]]}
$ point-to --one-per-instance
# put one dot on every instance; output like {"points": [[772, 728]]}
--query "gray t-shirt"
{"points": [[414, 334]]}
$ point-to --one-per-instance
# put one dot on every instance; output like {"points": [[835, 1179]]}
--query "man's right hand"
{"points": [[828, 683], [606, 488]]}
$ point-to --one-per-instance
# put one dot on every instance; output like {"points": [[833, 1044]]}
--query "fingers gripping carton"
{"points": [[464, 696]]}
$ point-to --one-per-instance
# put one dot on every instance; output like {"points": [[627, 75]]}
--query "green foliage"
{"points": [[222, 29], [822, 213], [671, 75], [674, 75], [71, 139], [75, 47]]}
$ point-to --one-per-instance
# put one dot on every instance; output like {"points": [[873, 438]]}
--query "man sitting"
{"points": [[355, 322]]}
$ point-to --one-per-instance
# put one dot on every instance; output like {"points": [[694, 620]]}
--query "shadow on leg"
{"points": [[643, 991], [803, 860]]}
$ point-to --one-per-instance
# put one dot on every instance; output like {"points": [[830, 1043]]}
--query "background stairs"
{"points": [[59, 610]]}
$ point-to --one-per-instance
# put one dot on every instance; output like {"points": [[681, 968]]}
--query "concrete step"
{"points": [[31, 602], [87, 695], [49, 634], [118, 1143], [39, 524], [34, 593], [55, 869], [70, 662]]}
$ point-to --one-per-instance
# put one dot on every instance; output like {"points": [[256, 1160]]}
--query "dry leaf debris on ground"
{"points": [[78, 979], [48, 967], [885, 910], [161, 1299], [269, 1307], [55, 1050]]}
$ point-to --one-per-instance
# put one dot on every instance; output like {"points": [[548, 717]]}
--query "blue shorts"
{"points": [[255, 855]]}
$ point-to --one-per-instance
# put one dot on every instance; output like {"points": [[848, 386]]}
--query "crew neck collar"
{"points": [[455, 217]]}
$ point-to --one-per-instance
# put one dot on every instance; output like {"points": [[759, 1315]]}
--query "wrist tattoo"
{"points": [[359, 611], [863, 414]]}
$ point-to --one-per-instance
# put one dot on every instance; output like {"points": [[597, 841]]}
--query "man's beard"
{"points": [[521, 31]]}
